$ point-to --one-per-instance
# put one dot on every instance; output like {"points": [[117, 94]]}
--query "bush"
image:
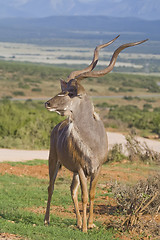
{"points": [[36, 89], [24, 86], [102, 105], [135, 117], [140, 152], [138, 200], [18, 93], [25, 125], [92, 90], [137, 152], [128, 98], [156, 124], [113, 89], [120, 89], [147, 106], [116, 153]]}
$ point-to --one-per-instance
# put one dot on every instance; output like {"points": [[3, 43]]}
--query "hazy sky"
{"points": [[147, 9]]}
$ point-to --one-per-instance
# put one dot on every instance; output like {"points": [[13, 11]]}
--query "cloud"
{"points": [[89, 1], [86, 1], [117, 1], [55, 2], [17, 3], [62, 6]]}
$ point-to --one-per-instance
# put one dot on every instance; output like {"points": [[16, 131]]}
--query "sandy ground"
{"points": [[118, 138], [25, 155]]}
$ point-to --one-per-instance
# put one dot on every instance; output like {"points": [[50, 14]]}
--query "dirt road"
{"points": [[25, 155]]}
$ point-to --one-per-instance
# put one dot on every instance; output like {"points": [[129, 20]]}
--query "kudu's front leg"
{"points": [[92, 191], [74, 194], [83, 182], [54, 166]]}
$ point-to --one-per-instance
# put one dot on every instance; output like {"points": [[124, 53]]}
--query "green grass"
{"points": [[135, 167], [17, 194], [29, 163], [20, 195]]}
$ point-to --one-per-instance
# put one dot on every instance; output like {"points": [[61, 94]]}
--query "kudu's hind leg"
{"points": [[74, 194], [83, 182], [53, 170], [92, 191]]}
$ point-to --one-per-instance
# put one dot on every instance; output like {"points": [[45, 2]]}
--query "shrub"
{"points": [[136, 201], [116, 153], [102, 105], [156, 124], [136, 152], [24, 86], [134, 117], [92, 90], [25, 125], [157, 109], [147, 106], [113, 89], [140, 152], [128, 98], [36, 89], [29, 80], [18, 93]]}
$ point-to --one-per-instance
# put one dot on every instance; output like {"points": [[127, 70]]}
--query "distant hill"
{"points": [[70, 30]]}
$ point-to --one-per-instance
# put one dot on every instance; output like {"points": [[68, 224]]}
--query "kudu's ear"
{"points": [[63, 85], [80, 89]]}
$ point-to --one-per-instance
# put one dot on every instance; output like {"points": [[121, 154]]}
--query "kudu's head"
{"points": [[72, 92], [71, 95]]}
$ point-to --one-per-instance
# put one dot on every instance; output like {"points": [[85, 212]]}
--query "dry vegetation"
{"points": [[140, 207], [141, 152], [138, 204]]}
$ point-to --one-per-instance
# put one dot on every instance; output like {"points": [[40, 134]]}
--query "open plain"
{"points": [[70, 56]]}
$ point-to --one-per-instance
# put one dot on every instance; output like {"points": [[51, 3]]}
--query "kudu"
{"points": [[79, 142]]}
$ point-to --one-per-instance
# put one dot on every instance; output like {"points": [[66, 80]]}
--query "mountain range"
{"points": [[144, 9], [80, 31], [80, 22]]}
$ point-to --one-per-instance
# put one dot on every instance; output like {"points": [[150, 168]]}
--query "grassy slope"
{"points": [[20, 193], [35, 80]]}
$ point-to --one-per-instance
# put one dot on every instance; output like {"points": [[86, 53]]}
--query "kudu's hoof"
{"points": [[91, 225], [79, 224], [46, 222], [84, 230]]}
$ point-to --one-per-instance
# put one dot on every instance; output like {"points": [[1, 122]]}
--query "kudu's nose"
{"points": [[47, 104]]}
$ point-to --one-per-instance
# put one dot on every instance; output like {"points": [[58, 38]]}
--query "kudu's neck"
{"points": [[83, 115], [87, 128]]}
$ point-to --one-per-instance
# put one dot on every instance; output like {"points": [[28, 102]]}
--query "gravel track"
{"points": [[25, 155]]}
